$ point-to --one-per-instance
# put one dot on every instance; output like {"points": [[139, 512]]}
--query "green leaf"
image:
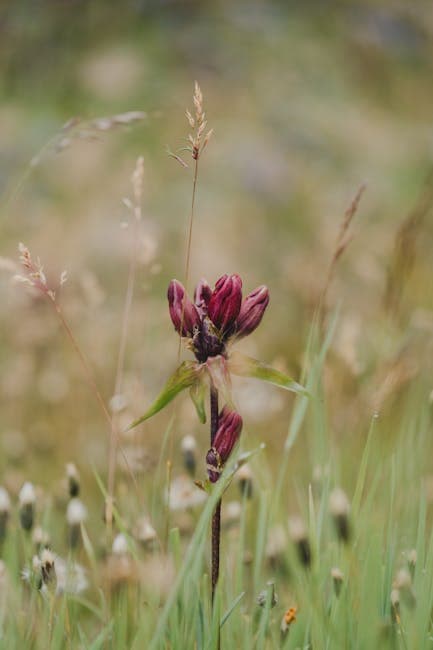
{"points": [[244, 366], [184, 377], [198, 395]]}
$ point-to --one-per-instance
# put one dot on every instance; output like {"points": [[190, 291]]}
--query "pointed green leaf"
{"points": [[244, 366], [198, 395], [182, 378]]}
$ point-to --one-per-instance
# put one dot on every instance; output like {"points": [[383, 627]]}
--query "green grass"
{"points": [[389, 516]]}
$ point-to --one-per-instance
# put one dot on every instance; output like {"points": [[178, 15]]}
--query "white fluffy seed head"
{"points": [[233, 511], [120, 545], [71, 471], [47, 556], [402, 579], [118, 403], [188, 444], [339, 503], [395, 597], [76, 512], [297, 530], [337, 574], [40, 537], [5, 502], [144, 531], [245, 473], [27, 494]]}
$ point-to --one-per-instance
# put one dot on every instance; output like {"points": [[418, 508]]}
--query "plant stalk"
{"points": [[216, 517]]}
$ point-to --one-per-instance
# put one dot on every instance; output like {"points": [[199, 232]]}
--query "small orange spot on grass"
{"points": [[290, 615]]}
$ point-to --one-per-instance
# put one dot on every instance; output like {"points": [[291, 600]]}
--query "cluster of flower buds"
{"points": [[216, 315], [226, 437]]}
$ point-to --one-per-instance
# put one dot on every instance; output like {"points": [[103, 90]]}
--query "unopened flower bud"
{"points": [[225, 302], [252, 310], [5, 506], [202, 295], [27, 499], [227, 435], [183, 313], [189, 447]]}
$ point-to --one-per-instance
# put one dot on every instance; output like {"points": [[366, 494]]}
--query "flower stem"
{"points": [[216, 517]]}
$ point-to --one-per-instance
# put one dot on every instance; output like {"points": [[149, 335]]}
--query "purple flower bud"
{"points": [[183, 313], [252, 310], [225, 302], [227, 435], [202, 295]]}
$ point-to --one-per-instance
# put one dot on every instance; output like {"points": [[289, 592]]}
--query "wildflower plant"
{"points": [[209, 325]]}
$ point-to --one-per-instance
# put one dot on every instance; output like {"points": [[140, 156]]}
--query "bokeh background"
{"points": [[307, 101]]}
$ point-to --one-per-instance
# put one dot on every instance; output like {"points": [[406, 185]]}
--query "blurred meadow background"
{"points": [[308, 101]]}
